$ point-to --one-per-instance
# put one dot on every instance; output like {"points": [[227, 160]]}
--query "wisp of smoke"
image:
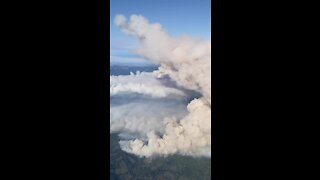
{"points": [[187, 61]]}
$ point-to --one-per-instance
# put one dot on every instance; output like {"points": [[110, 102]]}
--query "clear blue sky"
{"points": [[178, 17]]}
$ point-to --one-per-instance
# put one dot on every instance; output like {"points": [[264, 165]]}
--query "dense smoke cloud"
{"points": [[187, 62], [141, 83], [140, 115]]}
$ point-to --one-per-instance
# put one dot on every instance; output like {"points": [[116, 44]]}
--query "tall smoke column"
{"points": [[188, 62]]}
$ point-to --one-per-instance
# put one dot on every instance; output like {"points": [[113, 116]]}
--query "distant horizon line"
{"points": [[132, 64]]}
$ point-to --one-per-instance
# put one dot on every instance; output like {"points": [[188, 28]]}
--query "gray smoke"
{"points": [[142, 115], [187, 61], [140, 102]]}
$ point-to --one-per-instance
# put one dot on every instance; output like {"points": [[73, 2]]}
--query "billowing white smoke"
{"points": [[187, 61], [141, 83], [140, 102], [142, 115]]}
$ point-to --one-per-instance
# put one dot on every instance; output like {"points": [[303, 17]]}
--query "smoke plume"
{"points": [[141, 83], [187, 62]]}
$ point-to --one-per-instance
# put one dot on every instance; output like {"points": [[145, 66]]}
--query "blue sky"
{"points": [[178, 17]]}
